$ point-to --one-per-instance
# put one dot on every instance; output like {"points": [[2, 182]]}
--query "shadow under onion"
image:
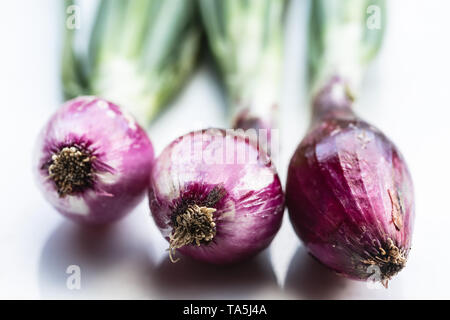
{"points": [[111, 262], [309, 279], [190, 279]]}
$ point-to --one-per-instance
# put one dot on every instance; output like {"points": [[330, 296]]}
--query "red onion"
{"points": [[93, 161], [349, 192], [216, 196]]}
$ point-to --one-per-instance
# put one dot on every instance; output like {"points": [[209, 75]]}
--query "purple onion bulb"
{"points": [[92, 161], [215, 196], [349, 192]]}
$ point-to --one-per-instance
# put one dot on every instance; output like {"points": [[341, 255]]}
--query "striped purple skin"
{"points": [[349, 191], [249, 213], [124, 156]]}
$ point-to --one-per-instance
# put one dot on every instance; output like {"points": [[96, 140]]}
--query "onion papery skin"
{"points": [[349, 193], [249, 209], [123, 157]]}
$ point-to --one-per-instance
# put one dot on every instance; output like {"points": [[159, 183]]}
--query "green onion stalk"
{"points": [[246, 39], [140, 53], [344, 37]]}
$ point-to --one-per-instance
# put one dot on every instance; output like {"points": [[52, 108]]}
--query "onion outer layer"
{"points": [[99, 134], [204, 168], [349, 192]]}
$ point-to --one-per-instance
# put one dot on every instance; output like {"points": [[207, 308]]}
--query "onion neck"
{"points": [[195, 226], [71, 170], [333, 101]]}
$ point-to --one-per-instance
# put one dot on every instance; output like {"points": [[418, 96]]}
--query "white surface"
{"points": [[406, 94]]}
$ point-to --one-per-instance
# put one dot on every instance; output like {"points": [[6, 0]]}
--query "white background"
{"points": [[406, 94]]}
